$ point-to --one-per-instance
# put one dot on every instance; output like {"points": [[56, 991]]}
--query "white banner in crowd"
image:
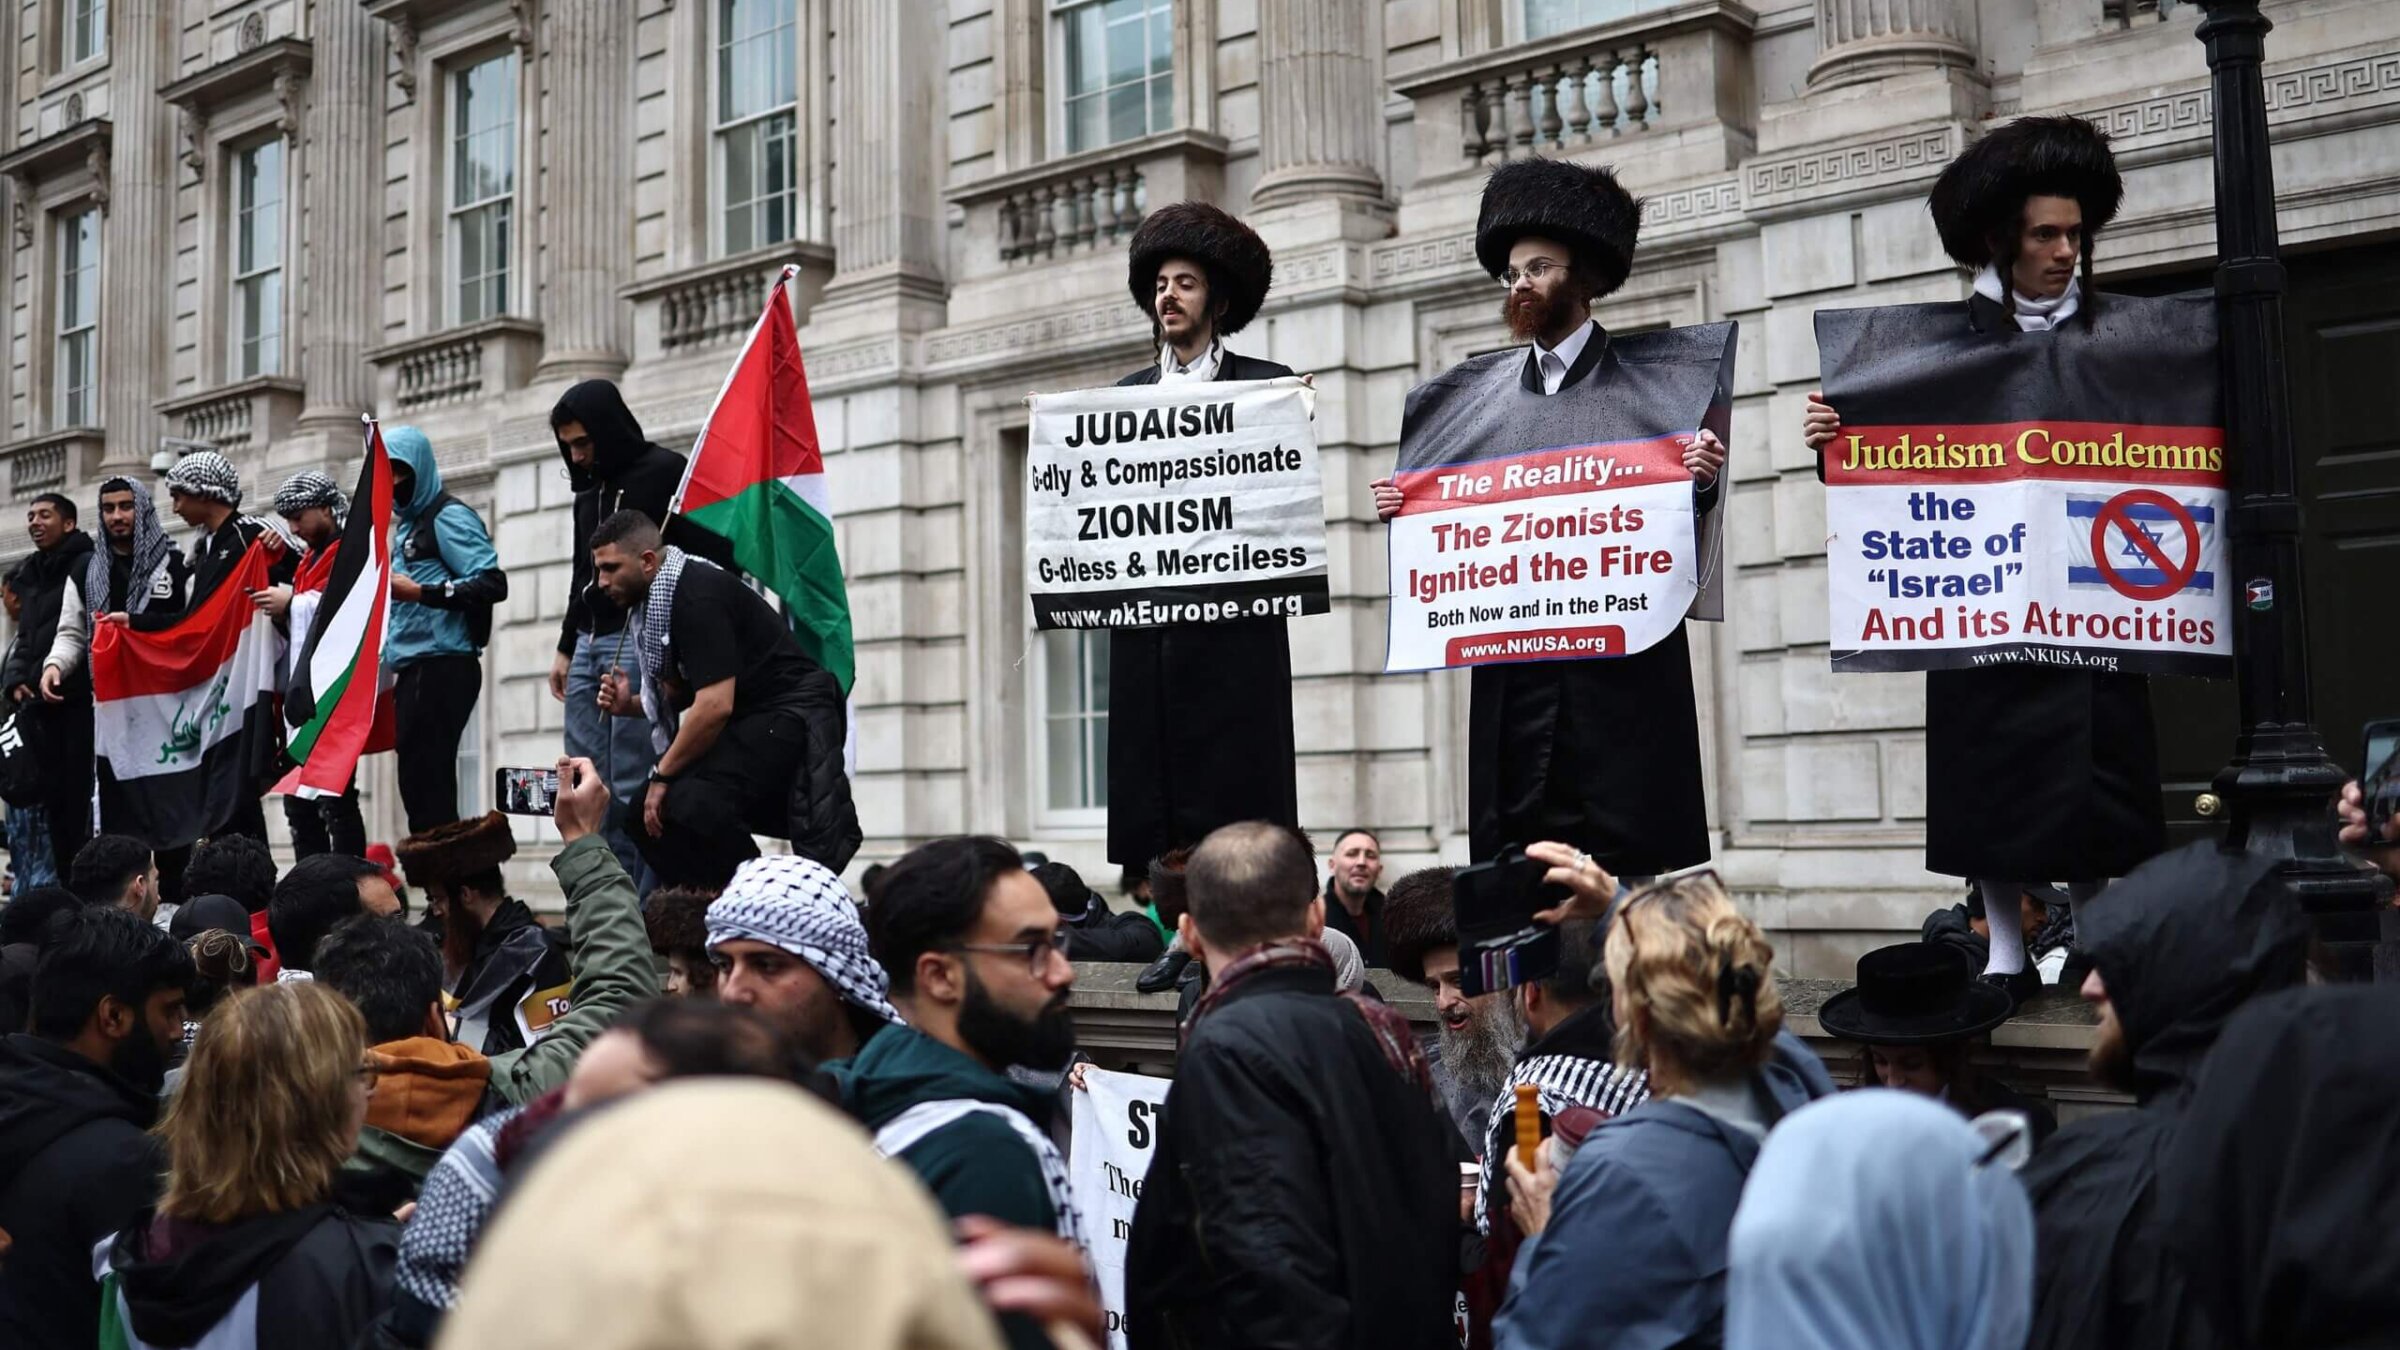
{"points": [[1116, 1119], [1174, 504]]}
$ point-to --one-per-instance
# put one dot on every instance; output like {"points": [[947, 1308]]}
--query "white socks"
{"points": [[2004, 914]]}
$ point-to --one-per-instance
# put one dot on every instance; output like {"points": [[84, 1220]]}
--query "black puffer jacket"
{"points": [[629, 473], [75, 1166], [2182, 943], [824, 819]]}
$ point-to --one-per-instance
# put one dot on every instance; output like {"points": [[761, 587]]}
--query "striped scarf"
{"points": [[150, 547], [1560, 1082]]}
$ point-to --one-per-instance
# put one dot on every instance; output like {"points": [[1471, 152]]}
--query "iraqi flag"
{"points": [[757, 478], [185, 718], [337, 708]]}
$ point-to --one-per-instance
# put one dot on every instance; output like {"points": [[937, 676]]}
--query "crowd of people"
{"points": [[370, 1098]]}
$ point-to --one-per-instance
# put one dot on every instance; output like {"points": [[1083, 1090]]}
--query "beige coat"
{"points": [[717, 1215]]}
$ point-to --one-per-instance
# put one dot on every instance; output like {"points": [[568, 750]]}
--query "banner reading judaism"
{"points": [[1560, 527], [2053, 498], [1190, 503]]}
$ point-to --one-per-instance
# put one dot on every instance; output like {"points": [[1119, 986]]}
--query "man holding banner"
{"points": [[1553, 522], [2023, 497], [1200, 714]]}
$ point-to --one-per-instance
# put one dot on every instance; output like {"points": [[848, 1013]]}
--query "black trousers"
{"points": [[326, 825], [66, 745], [432, 699], [741, 787]]}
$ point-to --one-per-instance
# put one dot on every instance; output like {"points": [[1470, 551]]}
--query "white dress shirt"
{"points": [[1557, 361], [1202, 367], [2032, 315]]}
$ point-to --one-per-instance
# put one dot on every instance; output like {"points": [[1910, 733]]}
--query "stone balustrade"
{"points": [[38, 468], [223, 422], [717, 303], [1560, 106], [1088, 204], [1075, 214], [459, 365], [1680, 68]]}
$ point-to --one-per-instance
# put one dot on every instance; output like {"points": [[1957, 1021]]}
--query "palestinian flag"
{"points": [[185, 718], [336, 707], [757, 478]]}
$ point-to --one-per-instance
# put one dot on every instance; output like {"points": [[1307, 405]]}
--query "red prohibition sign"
{"points": [[2176, 575]]}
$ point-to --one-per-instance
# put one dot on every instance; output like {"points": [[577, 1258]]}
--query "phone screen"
{"points": [[2379, 782], [525, 792]]}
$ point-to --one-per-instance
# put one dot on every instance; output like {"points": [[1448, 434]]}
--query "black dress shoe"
{"points": [[2021, 985], [1160, 975]]}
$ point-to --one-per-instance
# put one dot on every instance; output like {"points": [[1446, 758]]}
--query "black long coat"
{"points": [[1600, 754], [2038, 773], [1199, 716]]}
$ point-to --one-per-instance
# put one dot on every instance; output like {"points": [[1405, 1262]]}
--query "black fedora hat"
{"points": [[1916, 993]]}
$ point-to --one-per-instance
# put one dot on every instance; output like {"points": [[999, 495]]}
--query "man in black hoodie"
{"points": [[612, 468], [2177, 947], [61, 718], [78, 1093]]}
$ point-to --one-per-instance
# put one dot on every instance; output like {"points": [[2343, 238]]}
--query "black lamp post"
{"points": [[2277, 789]]}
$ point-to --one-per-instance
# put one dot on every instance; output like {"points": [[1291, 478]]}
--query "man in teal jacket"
{"points": [[445, 580], [977, 959]]}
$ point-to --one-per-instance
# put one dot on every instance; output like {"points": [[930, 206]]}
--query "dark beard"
{"points": [[2110, 1059], [1479, 1058], [462, 928], [141, 1061], [1046, 1041], [1530, 315]]}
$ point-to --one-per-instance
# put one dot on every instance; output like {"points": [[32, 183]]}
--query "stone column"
{"points": [[589, 77], [343, 195], [887, 219], [1321, 128], [137, 235], [1863, 40]]}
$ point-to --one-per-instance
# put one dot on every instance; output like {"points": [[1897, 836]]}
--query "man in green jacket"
{"points": [[429, 1088], [977, 959]]}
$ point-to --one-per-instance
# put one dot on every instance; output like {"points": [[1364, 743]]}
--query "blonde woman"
{"points": [[1630, 1251], [246, 1248]]}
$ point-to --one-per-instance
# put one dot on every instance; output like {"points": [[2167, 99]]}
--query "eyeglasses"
{"points": [[1035, 953], [1532, 271]]}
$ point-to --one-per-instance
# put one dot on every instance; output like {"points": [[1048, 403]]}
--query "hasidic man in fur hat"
{"points": [[2032, 773], [1200, 715], [509, 976], [1603, 754]]}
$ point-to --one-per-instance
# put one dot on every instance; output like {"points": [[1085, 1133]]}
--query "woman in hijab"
{"points": [[1878, 1218]]}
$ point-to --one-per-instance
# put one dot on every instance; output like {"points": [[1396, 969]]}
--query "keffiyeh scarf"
{"points": [[205, 473], [150, 548], [800, 906], [650, 633], [311, 488]]}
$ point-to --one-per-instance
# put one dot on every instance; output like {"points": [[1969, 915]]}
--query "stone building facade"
{"points": [[247, 222]]}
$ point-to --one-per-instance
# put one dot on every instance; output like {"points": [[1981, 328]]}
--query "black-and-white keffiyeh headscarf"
{"points": [[150, 548], [798, 905], [205, 473], [311, 488], [650, 633]]}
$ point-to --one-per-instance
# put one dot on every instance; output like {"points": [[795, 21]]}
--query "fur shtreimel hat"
{"points": [[1240, 268], [1984, 190], [1418, 916], [1580, 207], [457, 850]]}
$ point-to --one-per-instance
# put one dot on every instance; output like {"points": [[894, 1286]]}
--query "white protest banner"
{"points": [[2052, 499], [1537, 528], [1115, 1121], [1174, 504]]}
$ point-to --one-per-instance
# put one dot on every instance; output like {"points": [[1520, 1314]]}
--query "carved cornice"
{"points": [[1045, 334], [862, 358], [2185, 113], [1805, 179]]}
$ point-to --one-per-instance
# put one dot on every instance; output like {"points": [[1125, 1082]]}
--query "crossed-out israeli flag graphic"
{"points": [[2182, 537]]}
